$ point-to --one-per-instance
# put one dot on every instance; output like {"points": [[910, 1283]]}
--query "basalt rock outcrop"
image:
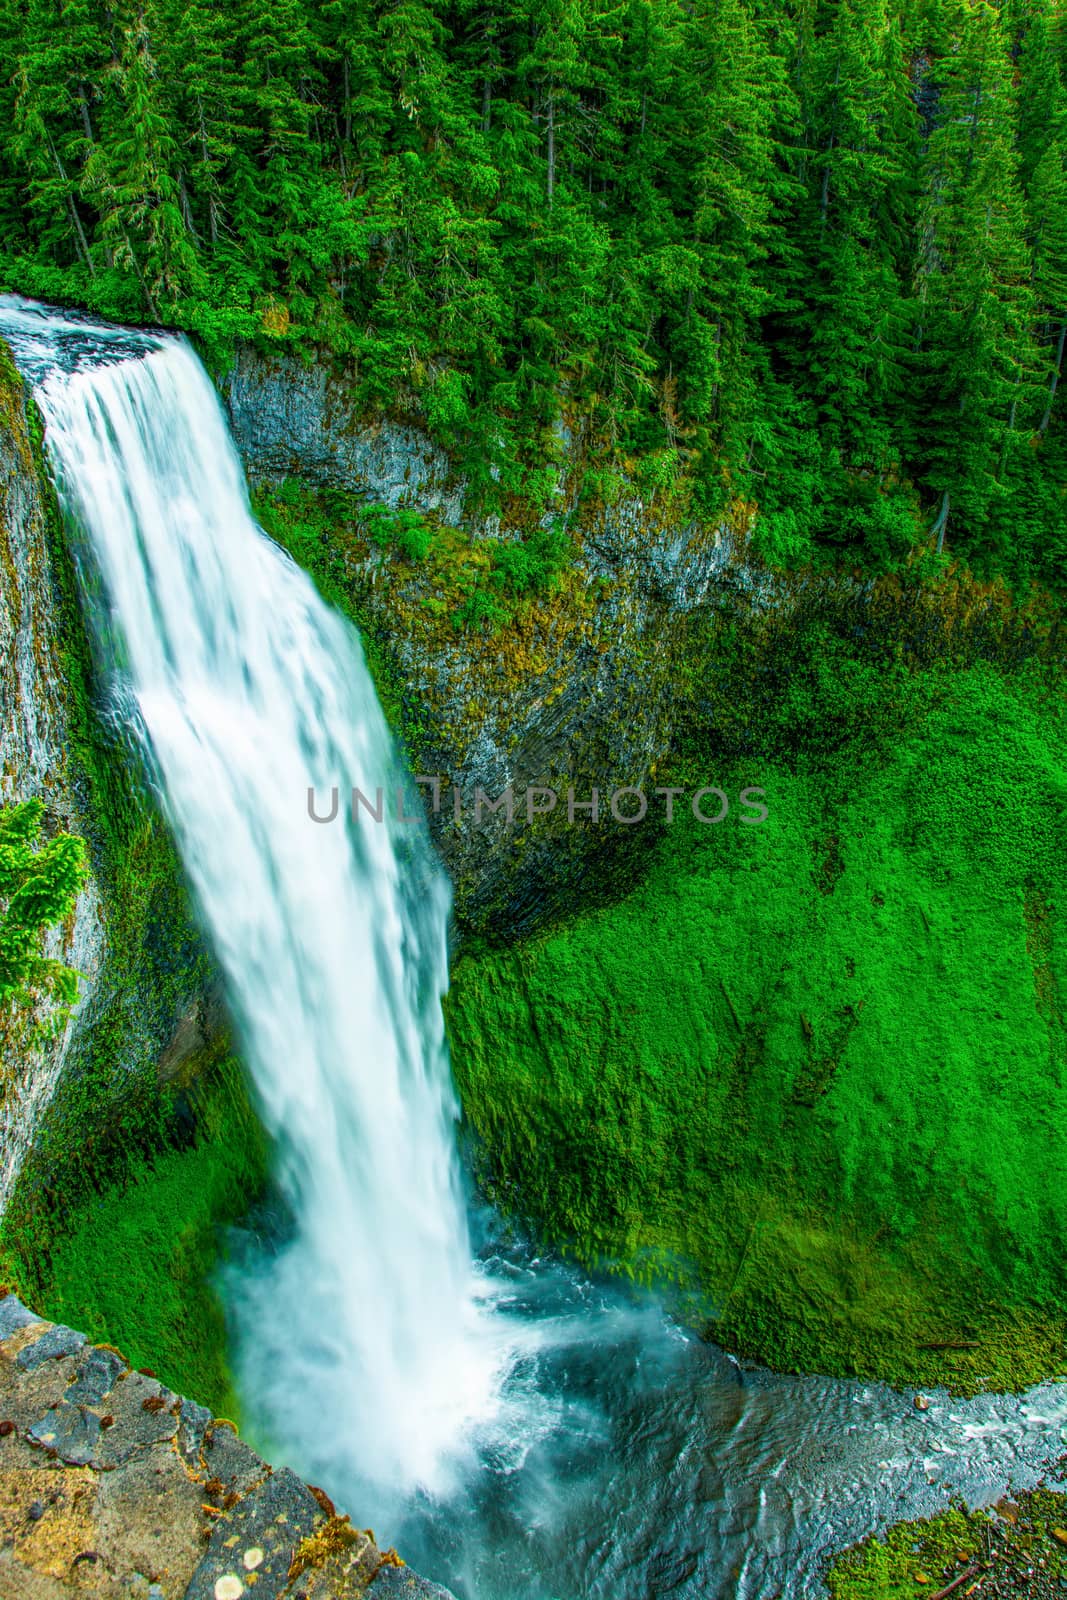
{"points": [[114, 1488], [578, 691], [146, 980], [34, 758]]}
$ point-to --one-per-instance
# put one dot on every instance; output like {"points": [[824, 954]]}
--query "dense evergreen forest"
{"points": [[802, 255]]}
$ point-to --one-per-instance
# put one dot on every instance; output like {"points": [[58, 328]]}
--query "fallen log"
{"points": [[972, 1572]]}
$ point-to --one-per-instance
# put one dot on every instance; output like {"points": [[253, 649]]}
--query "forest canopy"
{"points": [[811, 256]]}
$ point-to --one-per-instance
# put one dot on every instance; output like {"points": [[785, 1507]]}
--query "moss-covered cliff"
{"points": [[810, 1070], [34, 753], [814, 1068], [525, 650]]}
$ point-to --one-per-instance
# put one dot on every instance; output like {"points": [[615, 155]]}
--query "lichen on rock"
{"points": [[114, 1487]]}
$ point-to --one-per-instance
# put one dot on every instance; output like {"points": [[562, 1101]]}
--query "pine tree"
{"points": [[976, 294], [200, 64], [1043, 172], [59, 67], [853, 329], [134, 180]]}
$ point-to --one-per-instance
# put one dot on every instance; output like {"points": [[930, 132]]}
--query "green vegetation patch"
{"points": [[475, 583], [1021, 1551], [39, 884], [813, 1069], [135, 1264]]}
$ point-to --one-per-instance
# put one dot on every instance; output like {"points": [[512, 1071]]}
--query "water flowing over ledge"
{"points": [[245, 688], [523, 1431]]}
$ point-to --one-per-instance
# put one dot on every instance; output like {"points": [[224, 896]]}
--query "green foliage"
{"points": [[483, 581], [133, 1265], [814, 256], [809, 1069], [532, 564], [482, 611], [957, 1547], [657, 472], [39, 884], [402, 530], [518, 568]]}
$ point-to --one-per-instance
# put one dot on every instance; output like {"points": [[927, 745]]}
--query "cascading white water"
{"points": [[332, 936]]}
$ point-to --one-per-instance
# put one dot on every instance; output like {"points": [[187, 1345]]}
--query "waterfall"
{"points": [[246, 691], [525, 1432]]}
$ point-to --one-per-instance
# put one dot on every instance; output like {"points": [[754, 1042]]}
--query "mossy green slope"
{"points": [[813, 1069], [134, 1266]]}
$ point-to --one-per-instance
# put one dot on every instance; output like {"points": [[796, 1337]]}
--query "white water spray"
{"points": [[332, 937]]}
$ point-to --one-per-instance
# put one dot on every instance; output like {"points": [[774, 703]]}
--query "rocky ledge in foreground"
{"points": [[114, 1488]]}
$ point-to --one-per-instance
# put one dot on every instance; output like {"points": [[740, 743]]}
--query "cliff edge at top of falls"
{"points": [[115, 1488]]}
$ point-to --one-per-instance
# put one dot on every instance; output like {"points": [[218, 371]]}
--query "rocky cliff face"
{"points": [[115, 1488], [144, 974], [578, 692], [35, 740]]}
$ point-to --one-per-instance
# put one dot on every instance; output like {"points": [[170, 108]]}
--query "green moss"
{"points": [[135, 1264], [925, 1557], [812, 1070]]}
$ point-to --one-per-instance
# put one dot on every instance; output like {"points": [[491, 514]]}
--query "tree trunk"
{"points": [[80, 231], [206, 159], [83, 101], [150, 298], [340, 152], [942, 522], [1057, 369], [824, 199], [1012, 414], [551, 149], [83, 243], [186, 207]]}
